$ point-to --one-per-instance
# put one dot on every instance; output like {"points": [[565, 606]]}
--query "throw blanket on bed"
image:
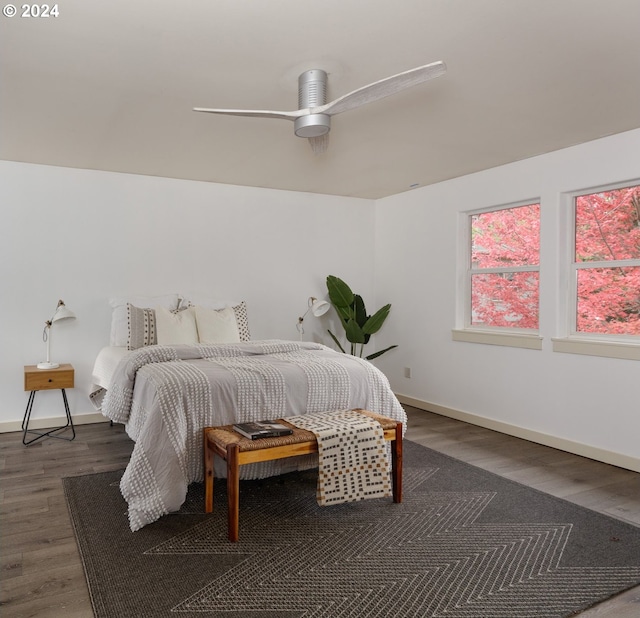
{"points": [[352, 456], [166, 395]]}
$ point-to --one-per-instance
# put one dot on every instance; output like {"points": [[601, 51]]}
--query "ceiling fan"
{"points": [[313, 118]]}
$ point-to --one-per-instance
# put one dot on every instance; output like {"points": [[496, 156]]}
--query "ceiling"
{"points": [[110, 85]]}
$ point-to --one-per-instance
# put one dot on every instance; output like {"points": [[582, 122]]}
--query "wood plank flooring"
{"points": [[42, 573]]}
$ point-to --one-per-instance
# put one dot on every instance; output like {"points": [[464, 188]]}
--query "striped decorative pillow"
{"points": [[142, 327]]}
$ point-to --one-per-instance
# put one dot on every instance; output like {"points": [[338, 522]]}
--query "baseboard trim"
{"points": [[53, 421], [577, 448]]}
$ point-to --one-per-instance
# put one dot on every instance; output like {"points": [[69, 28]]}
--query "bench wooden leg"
{"points": [[396, 464], [233, 491], [208, 475]]}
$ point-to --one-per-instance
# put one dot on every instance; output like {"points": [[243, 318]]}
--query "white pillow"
{"points": [[217, 325], [174, 327], [119, 322]]}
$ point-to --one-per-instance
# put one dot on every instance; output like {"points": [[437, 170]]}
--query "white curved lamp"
{"points": [[317, 308], [61, 313]]}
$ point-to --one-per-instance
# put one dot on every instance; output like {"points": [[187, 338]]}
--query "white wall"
{"points": [[590, 400], [85, 236]]}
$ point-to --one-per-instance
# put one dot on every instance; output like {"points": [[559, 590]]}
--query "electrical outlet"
{"points": [[407, 372]]}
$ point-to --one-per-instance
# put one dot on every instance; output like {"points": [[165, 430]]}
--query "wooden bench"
{"points": [[237, 450]]}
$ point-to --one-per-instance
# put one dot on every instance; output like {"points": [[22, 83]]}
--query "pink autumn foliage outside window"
{"points": [[608, 230], [504, 239]]}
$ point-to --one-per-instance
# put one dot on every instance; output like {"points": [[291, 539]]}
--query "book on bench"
{"points": [[262, 429]]}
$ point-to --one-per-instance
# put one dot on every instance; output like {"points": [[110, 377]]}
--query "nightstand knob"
{"points": [[50, 380]]}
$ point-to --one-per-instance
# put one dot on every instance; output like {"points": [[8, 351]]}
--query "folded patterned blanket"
{"points": [[353, 462]]}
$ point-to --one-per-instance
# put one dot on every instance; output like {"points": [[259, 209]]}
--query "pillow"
{"points": [[141, 330], [119, 316], [240, 309], [242, 319], [176, 326], [217, 325]]}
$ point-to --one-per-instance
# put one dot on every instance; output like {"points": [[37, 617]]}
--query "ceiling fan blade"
{"points": [[382, 88], [256, 113]]}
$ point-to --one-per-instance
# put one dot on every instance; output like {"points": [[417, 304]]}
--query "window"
{"points": [[606, 263], [503, 268]]}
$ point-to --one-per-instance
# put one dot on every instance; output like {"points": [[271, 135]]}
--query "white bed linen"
{"points": [[103, 370]]}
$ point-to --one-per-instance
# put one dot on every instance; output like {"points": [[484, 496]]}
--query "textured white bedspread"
{"points": [[104, 367], [166, 395]]}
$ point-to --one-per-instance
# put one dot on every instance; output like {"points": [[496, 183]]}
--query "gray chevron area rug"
{"points": [[463, 543]]}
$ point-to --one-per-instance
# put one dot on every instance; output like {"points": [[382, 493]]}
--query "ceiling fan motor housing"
{"points": [[312, 92]]}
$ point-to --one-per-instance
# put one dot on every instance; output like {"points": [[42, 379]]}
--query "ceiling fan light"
{"points": [[312, 125]]}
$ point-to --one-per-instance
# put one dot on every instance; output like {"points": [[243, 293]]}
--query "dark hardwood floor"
{"points": [[42, 573]]}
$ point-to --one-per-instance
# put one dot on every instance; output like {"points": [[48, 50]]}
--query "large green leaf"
{"points": [[375, 322], [345, 314], [360, 310], [380, 353], [354, 332], [340, 293]]}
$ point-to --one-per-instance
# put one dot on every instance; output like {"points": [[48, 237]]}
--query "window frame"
{"points": [[611, 345], [511, 336]]}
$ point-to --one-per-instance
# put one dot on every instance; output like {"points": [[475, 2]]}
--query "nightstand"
{"points": [[45, 379]]}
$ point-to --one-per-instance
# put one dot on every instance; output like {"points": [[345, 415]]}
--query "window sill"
{"points": [[512, 340], [594, 347]]}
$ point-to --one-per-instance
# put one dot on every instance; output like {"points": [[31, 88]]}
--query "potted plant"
{"points": [[358, 326]]}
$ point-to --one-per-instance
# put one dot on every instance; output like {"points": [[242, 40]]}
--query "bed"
{"points": [[165, 394]]}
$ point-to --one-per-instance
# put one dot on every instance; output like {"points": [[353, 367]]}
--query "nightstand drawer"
{"points": [[42, 379]]}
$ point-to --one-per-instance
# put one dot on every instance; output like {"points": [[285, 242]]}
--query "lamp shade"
{"points": [[62, 313], [319, 307]]}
